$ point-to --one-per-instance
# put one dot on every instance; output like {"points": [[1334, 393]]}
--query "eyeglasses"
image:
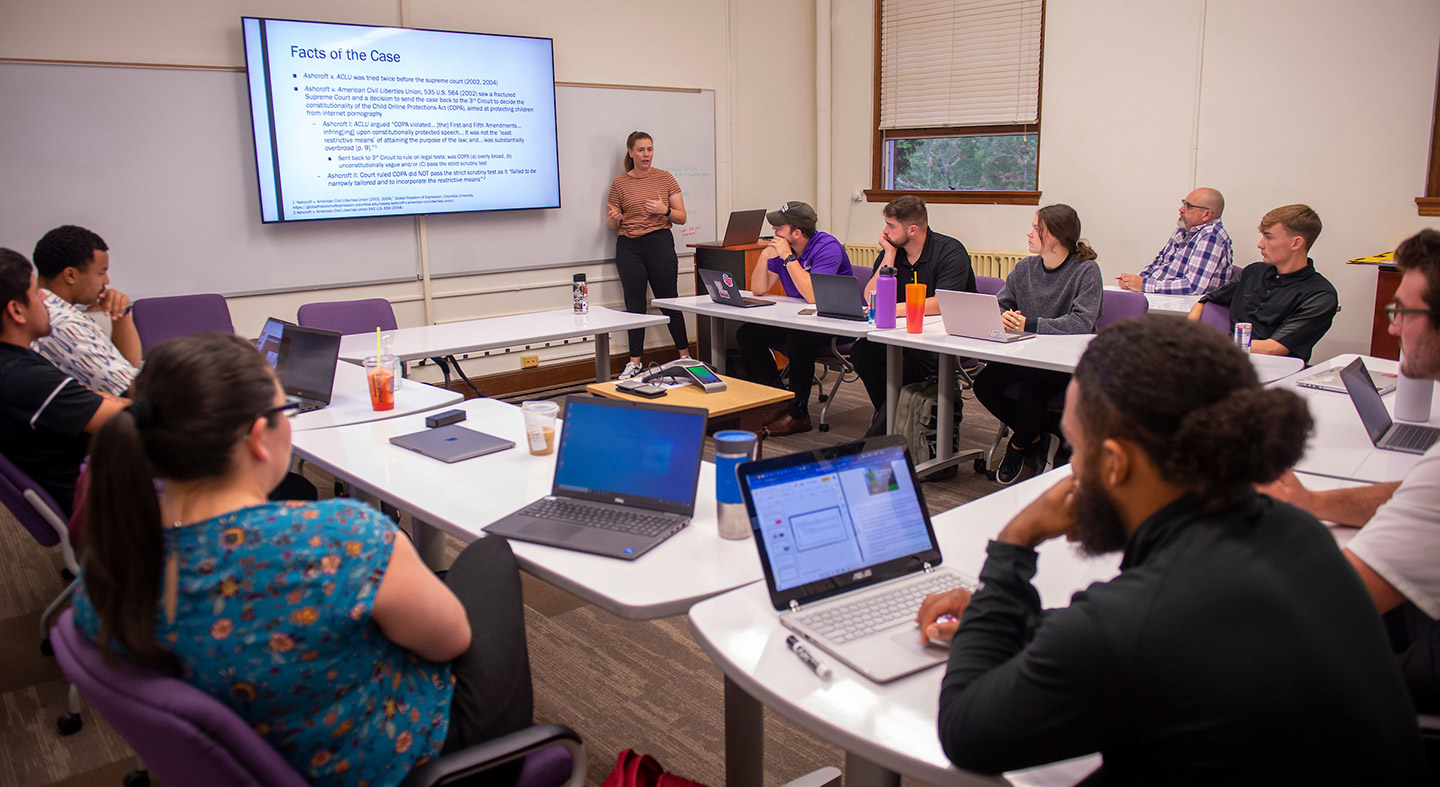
{"points": [[291, 405], [1190, 206], [1394, 311]]}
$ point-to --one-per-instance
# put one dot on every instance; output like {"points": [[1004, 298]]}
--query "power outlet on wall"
{"points": [[529, 361]]}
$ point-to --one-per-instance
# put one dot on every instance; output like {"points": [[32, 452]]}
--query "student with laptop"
{"points": [[1397, 551], [1057, 290], [1236, 645], [918, 254], [797, 250]]}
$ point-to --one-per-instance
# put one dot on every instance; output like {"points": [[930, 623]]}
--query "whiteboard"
{"points": [[160, 162], [594, 122]]}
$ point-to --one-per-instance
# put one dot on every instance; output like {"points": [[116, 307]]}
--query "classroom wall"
{"points": [[1326, 102], [734, 47]]}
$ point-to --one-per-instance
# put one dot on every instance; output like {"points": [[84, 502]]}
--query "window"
{"points": [[957, 100], [1430, 203]]}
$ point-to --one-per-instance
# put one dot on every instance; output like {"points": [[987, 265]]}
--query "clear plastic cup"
{"points": [[380, 374], [540, 426]]}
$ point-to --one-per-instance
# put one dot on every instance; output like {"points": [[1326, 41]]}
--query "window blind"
{"points": [[947, 63]]}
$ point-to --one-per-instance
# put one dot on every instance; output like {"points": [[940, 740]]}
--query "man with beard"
{"points": [[1236, 645], [1397, 551], [1199, 255]]}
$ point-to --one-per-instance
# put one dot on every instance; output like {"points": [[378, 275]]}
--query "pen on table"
{"points": [[804, 655]]}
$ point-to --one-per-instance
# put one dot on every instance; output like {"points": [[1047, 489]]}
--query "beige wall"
{"points": [[1326, 102]]}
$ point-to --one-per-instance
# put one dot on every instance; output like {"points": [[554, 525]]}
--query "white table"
{"points": [[463, 497], [1340, 447], [491, 333], [350, 401], [785, 314], [1164, 303]]}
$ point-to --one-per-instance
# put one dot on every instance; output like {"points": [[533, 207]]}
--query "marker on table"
{"points": [[804, 655]]}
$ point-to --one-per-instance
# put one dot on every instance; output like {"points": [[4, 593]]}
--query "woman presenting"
{"points": [[643, 204]]}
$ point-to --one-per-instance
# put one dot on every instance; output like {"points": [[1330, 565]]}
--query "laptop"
{"points": [[1384, 433], [849, 552], [976, 315], [743, 228], [305, 360], [1329, 380], [625, 478], [451, 443], [269, 342], [724, 290], [838, 295]]}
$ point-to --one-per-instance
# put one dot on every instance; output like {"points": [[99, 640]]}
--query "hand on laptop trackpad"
{"points": [[909, 638], [555, 531]]}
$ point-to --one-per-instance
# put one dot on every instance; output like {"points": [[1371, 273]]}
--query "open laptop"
{"points": [[305, 360], [1384, 433], [976, 316], [743, 228], [625, 477], [722, 289], [269, 342], [849, 552], [838, 295]]}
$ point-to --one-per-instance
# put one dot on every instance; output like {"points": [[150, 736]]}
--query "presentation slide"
{"points": [[356, 121]]}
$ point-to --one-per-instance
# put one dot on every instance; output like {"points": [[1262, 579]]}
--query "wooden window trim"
{"points": [[877, 170], [1429, 205]]}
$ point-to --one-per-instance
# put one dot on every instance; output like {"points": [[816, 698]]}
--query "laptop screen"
{"points": [[269, 341], [633, 450], [824, 517], [306, 361], [1367, 400]]}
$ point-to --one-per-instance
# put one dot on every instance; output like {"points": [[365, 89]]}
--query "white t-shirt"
{"points": [[1402, 541]]}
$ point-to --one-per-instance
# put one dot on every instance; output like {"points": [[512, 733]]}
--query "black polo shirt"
{"points": [[1294, 309], [944, 264], [43, 414]]}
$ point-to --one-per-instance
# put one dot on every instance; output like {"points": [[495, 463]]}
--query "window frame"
{"points": [[1429, 205], [877, 192]]}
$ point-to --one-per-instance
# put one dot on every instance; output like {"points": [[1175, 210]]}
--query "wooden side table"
{"points": [[742, 405]]}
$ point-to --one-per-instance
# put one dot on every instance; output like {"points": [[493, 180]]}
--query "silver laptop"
{"points": [[451, 443], [849, 553], [976, 316], [625, 478], [838, 295], [1384, 433], [1329, 380], [743, 228], [724, 290]]}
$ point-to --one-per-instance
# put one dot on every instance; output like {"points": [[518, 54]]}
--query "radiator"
{"points": [[985, 263]]}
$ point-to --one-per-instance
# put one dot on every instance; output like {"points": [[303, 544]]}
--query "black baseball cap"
{"points": [[796, 214]]}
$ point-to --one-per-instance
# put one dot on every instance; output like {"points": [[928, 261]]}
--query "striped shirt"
{"points": [[630, 193], [78, 347], [1193, 262]]}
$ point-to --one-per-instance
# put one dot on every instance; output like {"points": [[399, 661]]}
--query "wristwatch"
{"points": [[790, 258], [667, 212]]}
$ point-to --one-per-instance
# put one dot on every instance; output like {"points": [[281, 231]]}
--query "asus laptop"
{"points": [[976, 315], [1384, 433], [849, 553], [838, 295], [305, 359], [724, 290], [451, 443], [743, 228], [625, 477]]}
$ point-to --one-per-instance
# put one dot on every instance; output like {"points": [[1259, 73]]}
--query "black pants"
{"points": [[800, 347], [493, 696], [1027, 414], [1415, 638], [869, 360], [651, 259]]}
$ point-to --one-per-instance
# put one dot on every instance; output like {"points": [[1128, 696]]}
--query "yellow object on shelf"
{"points": [[1384, 258]]}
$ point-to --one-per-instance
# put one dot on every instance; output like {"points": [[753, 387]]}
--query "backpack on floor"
{"points": [[641, 770], [916, 412]]}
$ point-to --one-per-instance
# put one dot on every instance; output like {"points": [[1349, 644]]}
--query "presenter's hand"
{"points": [[615, 214], [1051, 515], [1131, 281], [1013, 320], [112, 302], [939, 614], [657, 206]]}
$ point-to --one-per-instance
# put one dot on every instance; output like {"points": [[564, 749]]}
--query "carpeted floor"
{"points": [[620, 684]]}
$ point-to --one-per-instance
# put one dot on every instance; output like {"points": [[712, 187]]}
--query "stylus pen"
{"points": [[804, 655]]}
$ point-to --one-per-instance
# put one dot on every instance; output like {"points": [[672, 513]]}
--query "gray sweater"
{"points": [[1064, 300]]}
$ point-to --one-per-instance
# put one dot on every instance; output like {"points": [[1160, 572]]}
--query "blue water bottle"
{"points": [[733, 448], [885, 298]]}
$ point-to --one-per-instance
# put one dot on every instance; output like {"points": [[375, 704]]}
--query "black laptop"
{"points": [[838, 295], [305, 359], [625, 478], [725, 291], [743, 228]]}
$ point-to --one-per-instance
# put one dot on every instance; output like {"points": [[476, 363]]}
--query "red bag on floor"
{"points": [[642, 770]]}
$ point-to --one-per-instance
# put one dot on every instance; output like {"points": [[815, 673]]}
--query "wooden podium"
{"points": [[737, 261], [1382, 344]]}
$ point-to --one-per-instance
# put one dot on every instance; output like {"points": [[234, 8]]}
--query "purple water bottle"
{"points": [[885, 298]]}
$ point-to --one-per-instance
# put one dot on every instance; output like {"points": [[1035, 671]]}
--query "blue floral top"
{"points": [[273, 619]]}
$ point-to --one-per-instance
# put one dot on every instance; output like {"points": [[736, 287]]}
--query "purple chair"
{"points": [[1216, 316], [188, 737], [364, 316], [40, 515], [838, 358], [988, 285], [158, 319]]}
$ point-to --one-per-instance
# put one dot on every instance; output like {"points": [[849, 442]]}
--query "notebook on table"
{"points": [[838, 295], [625, 479], [849, 553], [1329, 380], [1383, 432], [305, 360], [742, 229], [723, 290], [976, 315]]}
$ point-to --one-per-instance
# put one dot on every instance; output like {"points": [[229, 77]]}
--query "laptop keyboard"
{"points": [[620, 520], [847, 622], [1409, 436]]}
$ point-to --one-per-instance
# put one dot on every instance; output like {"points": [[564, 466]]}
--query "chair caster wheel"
{"points": [[69, 724], [980, 466], [137, 779], [46, 649], [824, 427]]}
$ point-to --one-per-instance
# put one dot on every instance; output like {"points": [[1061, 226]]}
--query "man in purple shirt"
{"points": [[1198, 257], [796, 251]]}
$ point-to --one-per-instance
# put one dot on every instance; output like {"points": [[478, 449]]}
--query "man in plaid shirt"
{"points": [[1198, 257]]}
